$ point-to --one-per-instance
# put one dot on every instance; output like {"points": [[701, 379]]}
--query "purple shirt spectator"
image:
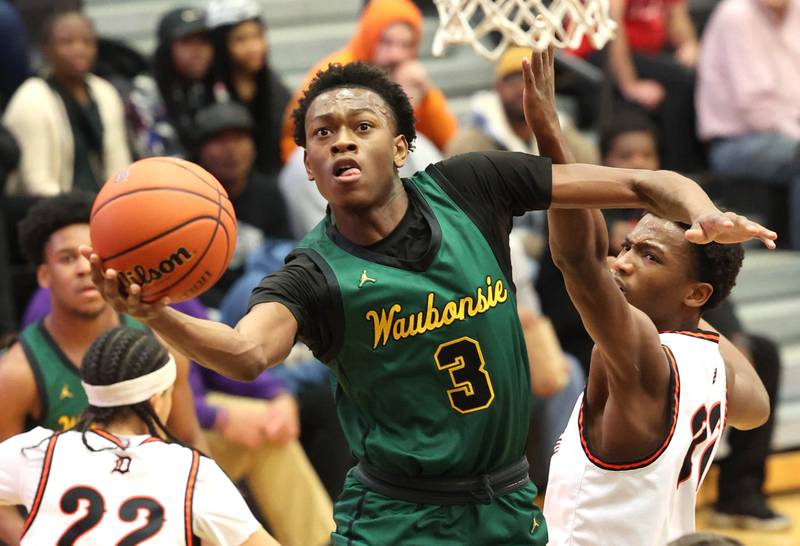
{"points": [[200, 379]]}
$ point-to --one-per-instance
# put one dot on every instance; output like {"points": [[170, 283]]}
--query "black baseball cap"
{"points": [[181, 22], [218, 117]]}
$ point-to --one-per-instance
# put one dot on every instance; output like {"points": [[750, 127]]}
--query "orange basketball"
{"points": [[165, 224]]}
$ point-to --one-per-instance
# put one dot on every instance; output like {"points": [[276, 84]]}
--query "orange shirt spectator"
{"points": [[388, 35]]}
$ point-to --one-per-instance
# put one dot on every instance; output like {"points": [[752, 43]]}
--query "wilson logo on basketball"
{"points": [[143, 276]]}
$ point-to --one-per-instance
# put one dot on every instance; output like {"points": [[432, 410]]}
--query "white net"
{"points": [[491, 26]]}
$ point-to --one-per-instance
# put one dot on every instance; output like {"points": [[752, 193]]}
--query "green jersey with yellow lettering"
{"points": [[58, 381], [432, 369]]}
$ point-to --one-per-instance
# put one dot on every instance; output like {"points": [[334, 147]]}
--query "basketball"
{"points": [[165, 224]]}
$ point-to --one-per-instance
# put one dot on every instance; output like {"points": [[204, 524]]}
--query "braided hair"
{"points": [[119, 354]]}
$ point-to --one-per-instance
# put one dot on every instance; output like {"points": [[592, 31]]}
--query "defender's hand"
{"points": [[123, 299], [539, 96], [728, 227]]}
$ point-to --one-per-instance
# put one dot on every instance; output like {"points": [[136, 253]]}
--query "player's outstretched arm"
{"points": [[664, 193], [748, 401], [579, 245], [262, 338]]}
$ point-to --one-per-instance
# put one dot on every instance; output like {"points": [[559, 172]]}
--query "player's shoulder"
{"points": [[15, 369], [29, 443]]}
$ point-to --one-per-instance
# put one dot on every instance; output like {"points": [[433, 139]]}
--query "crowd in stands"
{"points": [[722, 106]]}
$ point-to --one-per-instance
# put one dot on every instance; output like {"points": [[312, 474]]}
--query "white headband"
{"points": [[132, 391]]}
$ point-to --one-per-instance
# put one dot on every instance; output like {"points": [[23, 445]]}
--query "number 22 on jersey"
{"points": [[95, 511], [706, 430], [472, 387]]}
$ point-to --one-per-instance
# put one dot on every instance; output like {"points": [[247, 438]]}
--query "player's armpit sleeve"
{"points": [[510, 182], [21, 456], [219, 513], [302, 288]]}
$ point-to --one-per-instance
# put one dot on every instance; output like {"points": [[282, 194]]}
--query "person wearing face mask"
{"points": [[242, 73], [70, 125]]}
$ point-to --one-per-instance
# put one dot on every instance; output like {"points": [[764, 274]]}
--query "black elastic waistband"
{"points": [[481, 489]]}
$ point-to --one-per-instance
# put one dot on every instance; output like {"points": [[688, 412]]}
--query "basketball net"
{"points": [[562, 23]]}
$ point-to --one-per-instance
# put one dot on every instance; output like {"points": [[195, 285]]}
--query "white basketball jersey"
{"points": [[135, 490], [649, 502]]}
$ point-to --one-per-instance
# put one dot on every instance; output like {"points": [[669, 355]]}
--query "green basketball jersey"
{"points": [[432, 371], [57, 379]]}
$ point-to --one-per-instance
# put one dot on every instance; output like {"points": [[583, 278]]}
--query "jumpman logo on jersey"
{"points": [[714, 379], [65, 393], [123, 465], [365, 279], [535, 525]]}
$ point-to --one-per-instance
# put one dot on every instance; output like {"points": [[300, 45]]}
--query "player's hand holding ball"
{"points": [[163, 230]]}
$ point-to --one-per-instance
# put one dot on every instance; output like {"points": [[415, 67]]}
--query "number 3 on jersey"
{"points": [[472, 387]]}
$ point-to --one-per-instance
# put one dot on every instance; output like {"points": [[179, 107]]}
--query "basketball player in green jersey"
{"points": [[404, 291], [39, 377]]}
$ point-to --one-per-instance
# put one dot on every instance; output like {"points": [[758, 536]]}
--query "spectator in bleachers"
{"points": [[388, 35], [305, 377], [224, 146], [556, 377], [496, 120], [70, 125], [628, 141], [740, 500], [748, 97], [651, 62], [242, 73], [162, 107], [253, 429], [14, 52]]}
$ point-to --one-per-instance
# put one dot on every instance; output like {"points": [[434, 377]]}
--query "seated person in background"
{"points": [[115, 454], [224, 145], [496, 120], [39, 375], [651, 62], [740, 500], [556, 377], [164, 105], [748, 95], [252, 429], [305, 377], [630, 142], [388, 35], [306, 204], [70, 126], [242, 72]]}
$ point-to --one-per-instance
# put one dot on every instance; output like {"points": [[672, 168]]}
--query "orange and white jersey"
{"points": [[133, 490], [648, 502]]}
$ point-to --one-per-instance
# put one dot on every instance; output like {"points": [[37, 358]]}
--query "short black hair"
{"points": [[624, 121], [361, 75], [717, 264], [48, 216]]}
